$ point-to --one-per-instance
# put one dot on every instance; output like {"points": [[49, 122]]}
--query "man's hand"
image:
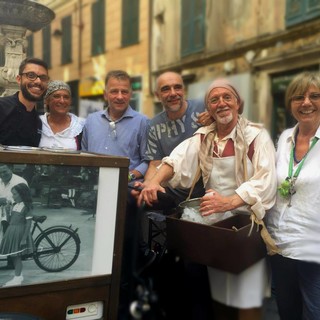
{"points": [[205, 119], [136, 188], [149, 193], [213, 202]]}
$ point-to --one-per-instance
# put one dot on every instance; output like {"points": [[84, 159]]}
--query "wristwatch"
{"points": [[131, 176]]}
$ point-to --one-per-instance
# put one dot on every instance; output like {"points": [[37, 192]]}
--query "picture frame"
{"points": [[83, 197]]}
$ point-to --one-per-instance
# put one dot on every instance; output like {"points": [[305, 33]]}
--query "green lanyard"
{"points": [[287, 187], [290, 171]]}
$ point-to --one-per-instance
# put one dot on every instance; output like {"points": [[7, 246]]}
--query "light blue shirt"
{"points": [[125, 137]]}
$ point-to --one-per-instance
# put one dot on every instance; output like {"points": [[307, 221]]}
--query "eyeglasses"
{"points": [[112, 125], [33, 76], [313, 97], [226, 98], [167, 89]]}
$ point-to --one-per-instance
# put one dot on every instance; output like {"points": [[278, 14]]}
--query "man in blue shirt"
{"points": [[119, 130]]}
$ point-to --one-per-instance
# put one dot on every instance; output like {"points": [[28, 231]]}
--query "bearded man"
{"points": [[237, 163], [20, 124]]}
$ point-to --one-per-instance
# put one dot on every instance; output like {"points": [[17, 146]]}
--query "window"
{"points": [[46, 45], [135, 101], [298, 11], [98, 27], [192, 26], [66, 53], [30, 45], [130, 22]]}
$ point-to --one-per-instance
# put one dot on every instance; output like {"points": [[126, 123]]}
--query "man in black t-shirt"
{"points": [[20, 124]]}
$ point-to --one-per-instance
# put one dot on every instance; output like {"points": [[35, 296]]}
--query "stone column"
{"points": [[13, 38], [16, 17]]}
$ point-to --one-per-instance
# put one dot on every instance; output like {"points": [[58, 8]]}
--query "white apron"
{"points": [[247, 289]]}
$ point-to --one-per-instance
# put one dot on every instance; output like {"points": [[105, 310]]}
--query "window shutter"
{"points": [[46, 45], [98, 24], [192, 26], [130, 22], [30, 46], [298, 11], [66, 40]]}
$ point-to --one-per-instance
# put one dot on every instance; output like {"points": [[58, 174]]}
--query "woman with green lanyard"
{"points": [[294, 222]]}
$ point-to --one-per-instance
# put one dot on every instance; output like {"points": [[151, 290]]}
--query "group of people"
{"points": [[21, 125], [240, 170]]}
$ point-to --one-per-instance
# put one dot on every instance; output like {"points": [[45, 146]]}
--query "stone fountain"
{"points": [[16, 17]]}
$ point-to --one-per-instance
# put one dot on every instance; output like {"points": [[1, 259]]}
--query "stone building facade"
{"points": [[259, 44], [87, 39]]}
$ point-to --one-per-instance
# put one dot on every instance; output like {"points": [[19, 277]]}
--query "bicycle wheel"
{"points": [[56, 249]]}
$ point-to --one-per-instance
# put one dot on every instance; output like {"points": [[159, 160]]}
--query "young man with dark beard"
{"points": [[20, 124]]}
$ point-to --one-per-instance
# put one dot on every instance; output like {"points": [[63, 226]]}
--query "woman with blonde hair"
{"points": [[294, 222]]}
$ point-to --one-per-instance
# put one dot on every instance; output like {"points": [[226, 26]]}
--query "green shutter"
{"points": [[98, 27], [30, 46], [192, 26], [298, 11], [66, 54], [46, 45], [130, 22], [2, 56]]}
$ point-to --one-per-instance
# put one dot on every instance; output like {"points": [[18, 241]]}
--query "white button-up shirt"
{"points": [[296, 229]]}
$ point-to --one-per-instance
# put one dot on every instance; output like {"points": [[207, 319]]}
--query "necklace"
{"points": [[287, 187]]}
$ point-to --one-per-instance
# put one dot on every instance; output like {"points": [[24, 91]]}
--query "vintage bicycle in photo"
{"points": [[56, 248]]}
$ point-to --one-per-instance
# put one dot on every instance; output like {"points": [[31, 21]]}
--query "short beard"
{"points": [[224, 120], [28, 96], [176, 107]]}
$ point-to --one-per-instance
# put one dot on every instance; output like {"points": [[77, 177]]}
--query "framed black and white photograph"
{"points": [[73, 221], [72, 205]]}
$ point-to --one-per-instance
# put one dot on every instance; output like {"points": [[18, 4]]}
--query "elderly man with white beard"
{"points": [[237, 162]]}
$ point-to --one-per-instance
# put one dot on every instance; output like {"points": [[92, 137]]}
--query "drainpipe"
{"points": [[150, 47], [80, 39]]}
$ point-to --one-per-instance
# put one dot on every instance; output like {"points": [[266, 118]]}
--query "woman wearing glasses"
{"points": [[294, 222], [60, 128]]}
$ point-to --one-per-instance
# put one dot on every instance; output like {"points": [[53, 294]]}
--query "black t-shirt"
{"points": [[18, 127]]}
